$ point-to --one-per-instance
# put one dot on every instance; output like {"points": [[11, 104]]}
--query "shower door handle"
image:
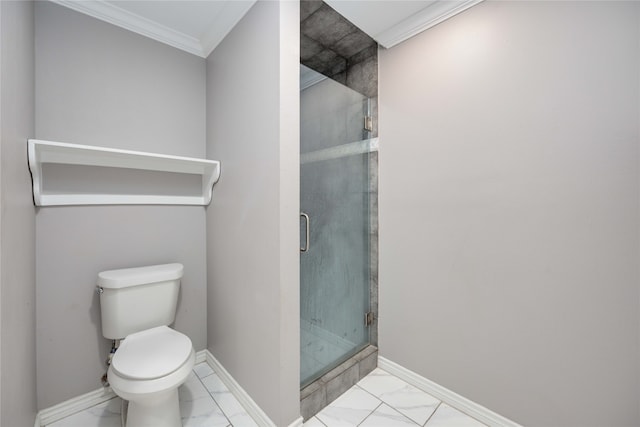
{"points": [[305, 248]]}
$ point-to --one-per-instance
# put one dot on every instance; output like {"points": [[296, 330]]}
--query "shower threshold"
{"points": [[320, 393]]}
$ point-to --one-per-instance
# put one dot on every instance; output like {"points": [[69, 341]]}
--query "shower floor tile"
{"points": [[319, 349]]}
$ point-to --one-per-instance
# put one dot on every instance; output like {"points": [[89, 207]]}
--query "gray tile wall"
{"points": [[345, 54]]}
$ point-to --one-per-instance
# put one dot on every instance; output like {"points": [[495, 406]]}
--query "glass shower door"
{"points": [[334, 187]]}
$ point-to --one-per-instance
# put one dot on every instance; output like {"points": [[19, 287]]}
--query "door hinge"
{"points": [[369, 318], [368, 123]]}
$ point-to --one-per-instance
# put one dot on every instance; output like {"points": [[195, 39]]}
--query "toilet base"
{"points": [[153, 402], [157, 410]]}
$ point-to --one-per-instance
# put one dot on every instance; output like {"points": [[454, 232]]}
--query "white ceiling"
{"points": [[199, 26]]}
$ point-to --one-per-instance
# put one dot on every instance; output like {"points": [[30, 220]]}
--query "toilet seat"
{"points": [[151, 354], [131, 389]]}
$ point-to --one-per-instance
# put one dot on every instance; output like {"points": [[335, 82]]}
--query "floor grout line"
{"points": [[380, 399], [320, 421], [412, 386], [364, 389], [432, 414], [214, 399], [371, 413]]}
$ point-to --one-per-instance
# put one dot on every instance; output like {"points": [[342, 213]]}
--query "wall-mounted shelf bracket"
{"points": [[72, 174]]}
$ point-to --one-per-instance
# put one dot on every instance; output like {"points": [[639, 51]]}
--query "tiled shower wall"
{"points": [[345, 54]]}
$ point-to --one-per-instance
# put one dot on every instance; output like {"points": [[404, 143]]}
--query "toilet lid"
{"points": [[151, 354]]}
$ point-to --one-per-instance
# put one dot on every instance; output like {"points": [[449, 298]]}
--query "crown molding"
{"points": [[231, 14], [115, 15], [423, 20], [108, 12]]}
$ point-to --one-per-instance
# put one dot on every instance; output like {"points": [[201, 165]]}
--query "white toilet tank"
{"points": [[135, 299]]}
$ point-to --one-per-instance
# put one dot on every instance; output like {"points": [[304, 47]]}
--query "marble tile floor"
{"points": [[204, 401], [383, 400], [378, 400]]}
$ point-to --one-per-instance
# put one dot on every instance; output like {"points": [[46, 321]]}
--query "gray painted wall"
{"points": [[17, 223], [252, 223], [509, 194], [97, 84]]}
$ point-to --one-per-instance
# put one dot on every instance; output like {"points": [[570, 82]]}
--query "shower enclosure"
{"points": [[335, 199]]}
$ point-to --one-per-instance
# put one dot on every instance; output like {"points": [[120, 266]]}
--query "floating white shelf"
{"points": [[72, 174]]}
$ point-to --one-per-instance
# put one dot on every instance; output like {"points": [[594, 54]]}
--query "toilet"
{"points": [[137, 306]]}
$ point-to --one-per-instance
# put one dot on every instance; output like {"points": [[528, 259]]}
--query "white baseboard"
{"points": [[449, 397], [87, 400], [297, 423], [71, 406], [243, 397], [201, 356]]}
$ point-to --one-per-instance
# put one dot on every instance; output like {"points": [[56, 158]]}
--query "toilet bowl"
{"points": [[147, 370], [137, 305]]}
